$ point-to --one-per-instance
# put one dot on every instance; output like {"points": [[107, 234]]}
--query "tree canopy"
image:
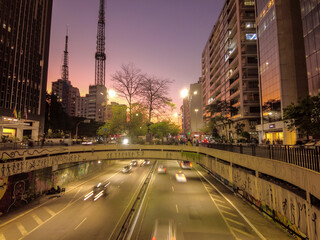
{"points": [[304, 116]]}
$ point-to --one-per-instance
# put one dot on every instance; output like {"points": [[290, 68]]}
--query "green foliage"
{"points": [[163, 129], [245, 135], [117, 124], [304, 116]]}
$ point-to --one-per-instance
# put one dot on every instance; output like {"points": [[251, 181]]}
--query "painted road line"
{"points": [[37, 219], [172, 188], [236, 222], [55, 214], [53, 199], [232, 214], [217, 200], [2, 237], [80, 223], [242, 232], [21, 228], [52, 213], [224, 206], [177, 209], [241, 214]]}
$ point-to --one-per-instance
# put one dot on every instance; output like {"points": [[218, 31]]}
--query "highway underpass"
{"points": [[244, 174]]}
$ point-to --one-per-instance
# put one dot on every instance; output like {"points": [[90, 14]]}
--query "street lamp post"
{"points": [[196, 111]]}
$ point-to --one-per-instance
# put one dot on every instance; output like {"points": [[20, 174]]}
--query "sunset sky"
{"points": [[164, 38]]}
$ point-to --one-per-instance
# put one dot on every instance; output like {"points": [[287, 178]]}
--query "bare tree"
{"points": [[127, 83], [154, 95]]}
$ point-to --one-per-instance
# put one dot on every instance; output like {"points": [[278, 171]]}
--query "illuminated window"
{"points": [[250, 25], [249, 2], [251, 36]]}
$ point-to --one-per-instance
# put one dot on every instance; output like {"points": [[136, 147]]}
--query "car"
{"points": [[185, 164], [180, 177], [164, 229], [161, 169], [126, 169], [98, 191], [134, 163], [205, 141], [145, 163]]}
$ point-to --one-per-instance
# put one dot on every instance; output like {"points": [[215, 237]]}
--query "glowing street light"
{"points": [[184, 93], [112, 93]]}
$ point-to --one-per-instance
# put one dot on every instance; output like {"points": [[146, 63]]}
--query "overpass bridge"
{"points": [[288, 193]]}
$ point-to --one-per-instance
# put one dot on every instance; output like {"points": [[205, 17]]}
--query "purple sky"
{"points": [[164, 38]]}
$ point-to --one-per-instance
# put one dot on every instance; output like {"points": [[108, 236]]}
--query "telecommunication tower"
{"points": [[100, 63], [65, 68]]}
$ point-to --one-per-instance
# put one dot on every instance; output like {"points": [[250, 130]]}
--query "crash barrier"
{"points": [[288, 193]]}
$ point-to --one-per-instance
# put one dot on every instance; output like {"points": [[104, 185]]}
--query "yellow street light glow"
{"points": [[112, 93], [196, 110], [175, 114], [195, 92], [184, 93]]}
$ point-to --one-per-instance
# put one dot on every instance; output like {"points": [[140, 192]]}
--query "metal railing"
{"points": [[306, 157]]}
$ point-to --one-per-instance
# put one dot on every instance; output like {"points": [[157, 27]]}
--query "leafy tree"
{"points": [[154, 95], [118, 123], [163, 129], [221, 113], [304, 116]]}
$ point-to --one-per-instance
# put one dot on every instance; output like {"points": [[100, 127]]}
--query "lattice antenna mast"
{"points": [[65, 67], [100, 57]]}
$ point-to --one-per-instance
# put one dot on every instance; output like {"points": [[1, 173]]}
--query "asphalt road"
{"points": [[70, 217], [197, 210]]}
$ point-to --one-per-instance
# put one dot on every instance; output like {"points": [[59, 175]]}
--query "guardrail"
{"points": [[306, 157]]}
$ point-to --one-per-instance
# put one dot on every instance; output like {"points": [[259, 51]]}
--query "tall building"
{"points": [[82, 106], [66, 94], [230, 67], [310, 14], [97, 102], [24, 48], [196, 110], [97, 99], [282, 67]]}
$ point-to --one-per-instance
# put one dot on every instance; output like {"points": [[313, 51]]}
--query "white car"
{"points": [[161, 169], [126, 169], [180, 177], [164, 229]]}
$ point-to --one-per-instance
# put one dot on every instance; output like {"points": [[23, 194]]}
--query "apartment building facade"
{"points": [[230, 67]]}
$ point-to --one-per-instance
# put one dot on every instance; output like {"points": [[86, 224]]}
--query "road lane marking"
{"points": [[21, 228], [236, 222], [232, 214], [52, 199], [224, 206], [2, 237], [172, 188], [80, 223], [37, 219], [177, 209], [55, 214], [240, 213], [217, 200], [52, 213], [242, 232]]}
